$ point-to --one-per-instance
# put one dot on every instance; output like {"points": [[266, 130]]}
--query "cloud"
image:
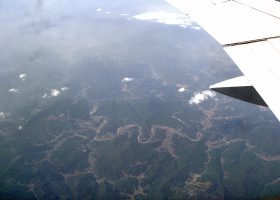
{"points": [[54, 92], [22, 76], [64, 89], [181, 89], [126, 79], [166, 18], [199, 97], [108, 12], [99, 10], [196, 28], [123, 14], [2, 115], [13, 90]]}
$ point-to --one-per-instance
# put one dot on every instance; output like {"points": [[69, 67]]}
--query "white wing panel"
{"points": [[275, 43], [231, 21], [260, 63], [240, 81], [267, 6]]}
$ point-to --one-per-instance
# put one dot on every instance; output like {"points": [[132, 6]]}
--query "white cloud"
{"points": [[99, 10], [196, 28], [2, 115], [20, 127], [123, 14], [64, 89], [126, 79], [22, 76], [108, 12], [199, 97], [13, 90], [166, 18], [181, 89], [54, 92]]}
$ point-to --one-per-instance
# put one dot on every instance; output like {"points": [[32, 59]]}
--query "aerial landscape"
{"points": [[110, 100]]}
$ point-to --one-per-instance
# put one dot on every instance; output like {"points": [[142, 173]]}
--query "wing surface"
{"points": [[249, 31]]}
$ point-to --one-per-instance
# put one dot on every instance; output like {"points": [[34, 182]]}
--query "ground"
{"points": [[99, 103]]}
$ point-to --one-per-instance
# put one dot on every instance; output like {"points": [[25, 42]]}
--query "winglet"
{"points": [[239, 88]]}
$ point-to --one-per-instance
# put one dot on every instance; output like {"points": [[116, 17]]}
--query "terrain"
{"points": [[99, 104]]}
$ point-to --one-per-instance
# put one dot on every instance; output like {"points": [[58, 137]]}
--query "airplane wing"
{"points": [[249, 31]]}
